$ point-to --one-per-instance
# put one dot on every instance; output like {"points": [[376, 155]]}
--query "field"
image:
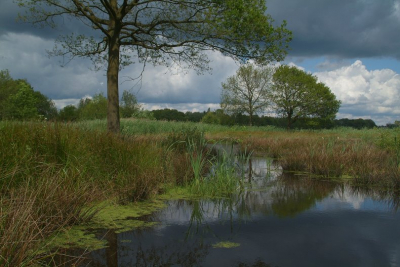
{"points": [[52, 176]]}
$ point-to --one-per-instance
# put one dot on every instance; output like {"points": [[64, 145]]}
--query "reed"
{"points": [[225, 177], [50, 174], [327, 155]]}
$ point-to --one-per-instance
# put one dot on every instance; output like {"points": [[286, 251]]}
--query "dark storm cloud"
{"points": [[340, 28], [337, 31], [9, 22]]}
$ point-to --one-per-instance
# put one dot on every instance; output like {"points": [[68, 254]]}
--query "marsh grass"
{"points": [[33, 212], [225, 176], [362, 158], [50, 174]]}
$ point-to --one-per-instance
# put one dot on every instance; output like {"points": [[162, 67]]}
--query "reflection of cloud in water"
{"points": [[355, 200], [276, 215]]}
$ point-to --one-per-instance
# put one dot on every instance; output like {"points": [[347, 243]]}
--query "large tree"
{"points": [[162, 32], [247, 91], [297, 94]]}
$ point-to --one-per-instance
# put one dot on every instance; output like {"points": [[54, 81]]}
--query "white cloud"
{"points": [[160, 85], [365, 93], [61, 103], [193, 107], [25, 56]]}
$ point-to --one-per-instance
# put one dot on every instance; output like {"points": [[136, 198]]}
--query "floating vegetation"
{"points": [[226, 244]]}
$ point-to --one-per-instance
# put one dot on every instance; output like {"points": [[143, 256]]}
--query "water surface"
{"points": [[279, 220]]}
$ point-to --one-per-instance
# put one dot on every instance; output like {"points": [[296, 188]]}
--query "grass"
{"points": [[52, 175]]}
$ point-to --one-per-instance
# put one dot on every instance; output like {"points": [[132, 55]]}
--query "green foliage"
{"points": [[224, 178], [211, 118], [18, 100], [93, 109], [45, 106], [247, 91], [194, 116], [143, 114], [297, 94], [355, 123], [170, 32], [23, 104], [169, 115], [68, 113], [129, 105], [8, 87]]}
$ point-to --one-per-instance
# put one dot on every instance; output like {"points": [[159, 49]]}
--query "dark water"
{"points": [[278, 221]]}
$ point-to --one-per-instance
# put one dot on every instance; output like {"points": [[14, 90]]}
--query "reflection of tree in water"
{"points": [[257, 263], [295, 195], [174, 253], [171, 255]]}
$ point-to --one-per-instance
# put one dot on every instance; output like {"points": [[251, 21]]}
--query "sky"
{"points": [[353, 46]]}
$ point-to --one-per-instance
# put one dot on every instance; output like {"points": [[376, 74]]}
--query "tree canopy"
{"points": [[19, 101], [247, 91], [129, 105], [163, 32], [297, 94], [95, 108]]}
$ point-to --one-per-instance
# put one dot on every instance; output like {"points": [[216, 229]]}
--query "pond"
{"points": [[279, 220]]}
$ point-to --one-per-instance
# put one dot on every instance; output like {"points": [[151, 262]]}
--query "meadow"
{"points": [[52, 175]]}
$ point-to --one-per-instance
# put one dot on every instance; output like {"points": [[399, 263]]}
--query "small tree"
{"points": [[211, 118], [247, 91], [129, 105], [68, 113], [95, 108], [297, 94], [166, 32]]}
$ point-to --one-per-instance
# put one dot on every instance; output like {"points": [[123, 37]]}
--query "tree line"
{"points": [[220, 117], [19, 101]]}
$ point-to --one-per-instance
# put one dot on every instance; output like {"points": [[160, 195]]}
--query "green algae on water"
{"points": [[226, 244], [122, 218], [119, 218], [76, 237]]}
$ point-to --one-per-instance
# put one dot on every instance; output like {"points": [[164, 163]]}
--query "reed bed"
{"points": [[51, 174], [363, 158]]}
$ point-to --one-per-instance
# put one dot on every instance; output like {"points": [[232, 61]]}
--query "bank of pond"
{"points": [[186, 197]]}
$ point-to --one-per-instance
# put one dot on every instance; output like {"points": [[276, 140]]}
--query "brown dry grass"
{"points": [[330, 157]]}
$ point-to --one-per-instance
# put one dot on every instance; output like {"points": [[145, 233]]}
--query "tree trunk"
{"points": [[250, 113], [113, 123], [289, 120]]}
